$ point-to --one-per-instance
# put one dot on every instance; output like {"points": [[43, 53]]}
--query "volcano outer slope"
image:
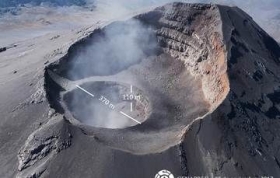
{"points": [[237, 64]]}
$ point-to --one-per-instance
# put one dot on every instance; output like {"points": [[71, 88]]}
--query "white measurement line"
{"points": [[131, 106], [130, 117], [84, 90], [197, 36]]}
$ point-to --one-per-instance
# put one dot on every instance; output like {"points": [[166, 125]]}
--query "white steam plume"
{"points": [[108, 52]]}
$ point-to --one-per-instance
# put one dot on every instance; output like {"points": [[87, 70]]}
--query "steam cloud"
{"points": [[265, 12], [118, 46], [123, 44], [108, 52]]}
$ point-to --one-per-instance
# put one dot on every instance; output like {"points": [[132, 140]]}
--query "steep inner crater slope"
{"points": [[174, 57]]}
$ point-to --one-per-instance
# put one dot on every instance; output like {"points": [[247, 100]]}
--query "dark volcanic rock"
{"points": [[3, 49], [212, 86]]}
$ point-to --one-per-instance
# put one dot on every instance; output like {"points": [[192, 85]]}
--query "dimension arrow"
{"points": [[130, 117]]}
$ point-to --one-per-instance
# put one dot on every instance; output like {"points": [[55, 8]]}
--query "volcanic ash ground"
{"points": [[191, 88]]}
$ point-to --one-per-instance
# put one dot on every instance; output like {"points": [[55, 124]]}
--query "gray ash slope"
{"points": [[224, 66]]}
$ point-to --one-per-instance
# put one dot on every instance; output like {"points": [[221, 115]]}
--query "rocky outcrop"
{"points": [[239, 138], [192, 34], [41, 146]]}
